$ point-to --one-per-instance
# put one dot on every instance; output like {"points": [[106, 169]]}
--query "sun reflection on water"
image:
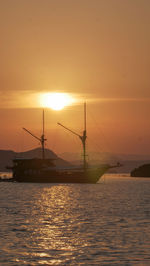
{"points": [[54, 224], [55, 229]]}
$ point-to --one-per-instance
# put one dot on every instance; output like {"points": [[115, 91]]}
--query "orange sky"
{"points": [[95, 48]]}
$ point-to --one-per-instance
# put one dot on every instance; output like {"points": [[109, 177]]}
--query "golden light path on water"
{"points": [[75, 224], [58, 230]]}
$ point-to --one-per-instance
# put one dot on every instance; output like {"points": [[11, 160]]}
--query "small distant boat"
{"points": [[45, 171]]}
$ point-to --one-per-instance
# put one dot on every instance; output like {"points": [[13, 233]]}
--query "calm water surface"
{"points": [[76, 224]]}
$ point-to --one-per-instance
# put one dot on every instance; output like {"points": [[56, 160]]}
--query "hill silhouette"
{"points": [[6, 157], [129, 162]]}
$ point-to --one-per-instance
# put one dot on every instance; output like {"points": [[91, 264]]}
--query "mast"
{"points": [[42, 138], [82, 138]]}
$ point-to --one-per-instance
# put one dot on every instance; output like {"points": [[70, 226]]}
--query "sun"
{"points": [[56, 101]]}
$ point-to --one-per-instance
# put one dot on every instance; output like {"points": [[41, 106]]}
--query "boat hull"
{"points": [[88, 176]]}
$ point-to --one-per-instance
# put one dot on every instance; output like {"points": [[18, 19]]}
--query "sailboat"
{"points": [[45, 171]]}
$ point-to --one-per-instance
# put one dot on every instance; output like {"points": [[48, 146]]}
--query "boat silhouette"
{"points": [[44, 170]]}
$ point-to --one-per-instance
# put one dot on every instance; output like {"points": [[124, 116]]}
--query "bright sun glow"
{"points": [[56, 101]]}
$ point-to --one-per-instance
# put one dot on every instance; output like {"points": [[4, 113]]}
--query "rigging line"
{"points": [[20, 145], [53, 138], [101, 152], [70, 137], [71, 130], [106, 140], [76, 141], [96, 146], [99, 130], [97, 150]]}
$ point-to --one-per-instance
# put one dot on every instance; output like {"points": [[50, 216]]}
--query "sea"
{"points": [[107, 223]]}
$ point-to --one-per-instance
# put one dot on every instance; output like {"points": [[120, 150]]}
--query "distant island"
{"points": [[141, 171]]}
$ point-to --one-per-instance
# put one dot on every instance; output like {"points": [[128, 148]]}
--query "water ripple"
{"points": [[76, 224]]}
